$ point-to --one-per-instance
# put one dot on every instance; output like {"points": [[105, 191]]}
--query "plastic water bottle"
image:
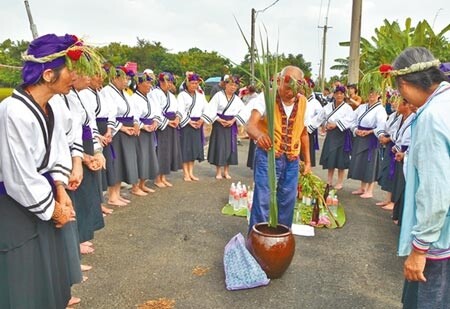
{"points": [[237, 197], [249, 203], [231, 194]]}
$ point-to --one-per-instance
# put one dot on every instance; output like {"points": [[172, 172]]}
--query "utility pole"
{"points": [[252, 48], [355, 39], [325, 28], [252, 40], [30, 18]]}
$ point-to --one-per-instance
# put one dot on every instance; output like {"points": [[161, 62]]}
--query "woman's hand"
{"points": [[76, 176], [127, 130]]}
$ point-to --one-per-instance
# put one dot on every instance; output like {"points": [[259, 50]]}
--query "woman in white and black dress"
{"points": [[387, 162], [149, 114], [370, 122], [338, 117], [192, 101], [402, 140], [35, 163], [97, 105], [124, 141], [87, 198], [223, 112], [168, 149], [313, 108]]}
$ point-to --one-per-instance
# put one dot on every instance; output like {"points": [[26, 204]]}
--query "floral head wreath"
{"points": [[193, 77], [232, 79], [69, 50], [297, 85], [387, 70], [143, 77]]}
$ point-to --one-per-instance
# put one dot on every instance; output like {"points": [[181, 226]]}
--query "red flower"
{"points": [[74, 54], [385, 69], [287, 78]]}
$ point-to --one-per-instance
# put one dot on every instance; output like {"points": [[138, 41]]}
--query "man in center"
{"points": [[290, 136]]}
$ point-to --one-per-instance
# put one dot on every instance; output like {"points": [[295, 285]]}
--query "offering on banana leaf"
{"points": [[314, 193]]}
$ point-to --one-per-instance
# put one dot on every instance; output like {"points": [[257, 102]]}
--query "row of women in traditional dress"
{"points": [[365, 142], [44, 144]]}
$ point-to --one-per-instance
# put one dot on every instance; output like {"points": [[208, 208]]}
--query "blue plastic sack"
{"points": [[241, 269]]}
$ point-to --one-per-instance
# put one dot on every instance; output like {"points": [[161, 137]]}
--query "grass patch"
{"points": [[5, 92]]}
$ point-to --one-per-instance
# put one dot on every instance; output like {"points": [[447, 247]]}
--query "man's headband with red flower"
{"points": [[51, 51], [387, 70]]}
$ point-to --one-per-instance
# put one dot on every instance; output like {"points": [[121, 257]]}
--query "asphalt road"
{"points": [[148, 250]]}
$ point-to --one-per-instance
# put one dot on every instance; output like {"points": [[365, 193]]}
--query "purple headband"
{"points": [[193, 77], [340, 89], [445, 68], [166, 76], [44, 46], [142, 77]]}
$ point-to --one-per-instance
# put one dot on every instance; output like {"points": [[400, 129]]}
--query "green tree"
{"points": [[10, 55], [390, 40]]}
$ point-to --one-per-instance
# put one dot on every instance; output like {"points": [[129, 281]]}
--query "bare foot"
{"points": [[187, 178], [86, 249], [138, 192], [106, 210], [87, 243], [227, 176], [358, 192], [84, 279], [383, 203], [168, 184], [219, 177], [389, 206], [160, 184], [194, 178], [124, 200], [395, 222], [338, 186], [85, 267], [147, 189], [74, 301], [117, 203], [366, 195]]}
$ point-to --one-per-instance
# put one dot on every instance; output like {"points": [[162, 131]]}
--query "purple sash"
{"points": [[87, 133], [170, 115], [46, 175], [128, 121], [315, 139], [202, 134], [348, 141], [373, 142], [146, 121], [234, 131], [392, 160]]}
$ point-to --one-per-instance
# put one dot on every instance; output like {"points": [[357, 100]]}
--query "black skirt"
{"points": [[34, 273], [168, 150], [333, 154], [361, 168], [87, 201], [191, 144], [220, 152], [384, 179], [125, 161], [146, 155]]}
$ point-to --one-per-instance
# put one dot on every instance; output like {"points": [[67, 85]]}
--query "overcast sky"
{"points": [[209, 24]]}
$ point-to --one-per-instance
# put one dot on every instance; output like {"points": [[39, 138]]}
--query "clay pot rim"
{"points": [[255, 230]]}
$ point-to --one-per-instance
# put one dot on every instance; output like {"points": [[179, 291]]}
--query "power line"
{"points": [[263, 10]]}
